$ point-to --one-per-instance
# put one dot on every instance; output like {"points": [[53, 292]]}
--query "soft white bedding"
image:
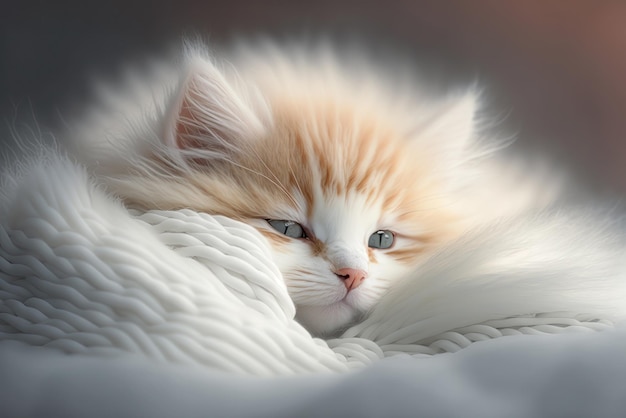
{"points": [[581, 375], [164, 313]]}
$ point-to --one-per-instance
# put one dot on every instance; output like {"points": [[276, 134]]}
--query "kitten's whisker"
{"points": [[293, 200], [275, 183], [295, 179]]}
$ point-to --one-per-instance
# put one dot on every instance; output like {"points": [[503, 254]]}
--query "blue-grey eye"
{"points": [[381, 239], [289, 228]]}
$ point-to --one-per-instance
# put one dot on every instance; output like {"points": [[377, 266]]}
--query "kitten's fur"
{"points": [[302, 136]]}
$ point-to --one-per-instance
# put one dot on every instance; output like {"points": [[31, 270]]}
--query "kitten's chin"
{"points": [[327, 321]]}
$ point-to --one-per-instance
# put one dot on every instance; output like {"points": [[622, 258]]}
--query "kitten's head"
{"points": [[351, 186]]}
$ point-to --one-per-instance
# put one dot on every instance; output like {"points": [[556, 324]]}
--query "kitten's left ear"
{"points": [[210, 114], [452, 123]]}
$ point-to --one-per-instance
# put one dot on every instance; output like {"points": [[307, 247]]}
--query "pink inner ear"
{"points": [[209, 115]]}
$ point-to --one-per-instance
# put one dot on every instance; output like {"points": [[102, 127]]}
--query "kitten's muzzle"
{"points": [[352, 278]]}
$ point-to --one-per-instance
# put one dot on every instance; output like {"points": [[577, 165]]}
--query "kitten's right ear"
{"points": [[448, 127], [209, 114]]}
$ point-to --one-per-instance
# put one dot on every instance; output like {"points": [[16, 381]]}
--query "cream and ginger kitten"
{"points": [[353, 181]]}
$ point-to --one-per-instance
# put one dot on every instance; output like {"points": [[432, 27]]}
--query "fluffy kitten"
{"points": [[352, 180]]}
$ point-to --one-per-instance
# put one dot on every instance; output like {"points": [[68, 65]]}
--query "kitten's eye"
{"points": [[381, 239], [290, 228]]}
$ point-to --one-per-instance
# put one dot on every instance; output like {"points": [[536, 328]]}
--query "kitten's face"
{"points": [[348, 197], [365, 208]]}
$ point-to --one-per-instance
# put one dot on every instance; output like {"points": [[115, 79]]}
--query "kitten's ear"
{"points": [[210, 114], [452, 123]]}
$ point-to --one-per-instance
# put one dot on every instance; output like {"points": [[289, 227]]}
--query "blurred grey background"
{"points": [[555, 69]]}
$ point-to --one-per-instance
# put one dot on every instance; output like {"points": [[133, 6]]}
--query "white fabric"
{"points": [[581, 375], [82, 275]]}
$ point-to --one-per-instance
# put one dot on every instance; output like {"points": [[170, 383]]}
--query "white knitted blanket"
{"points": [[81, 274]]}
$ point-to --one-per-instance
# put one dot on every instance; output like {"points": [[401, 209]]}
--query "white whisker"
{"points": [[275, 183]]}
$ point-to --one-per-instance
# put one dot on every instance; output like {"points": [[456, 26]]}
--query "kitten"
{"points": [[353, 181]]}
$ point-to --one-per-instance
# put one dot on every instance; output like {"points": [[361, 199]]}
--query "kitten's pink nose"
{"points": [[352, 278]]}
